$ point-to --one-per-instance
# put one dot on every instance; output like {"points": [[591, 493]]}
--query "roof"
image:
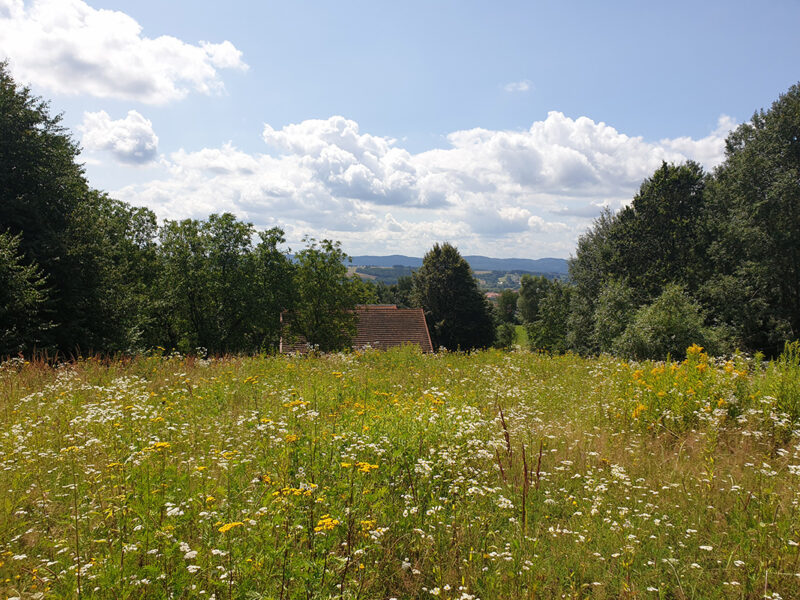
{"points": [[384, 326], [381, 326]]}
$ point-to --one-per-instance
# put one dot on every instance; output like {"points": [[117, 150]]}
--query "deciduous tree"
{"points": [[458, 314], [326, 297]]}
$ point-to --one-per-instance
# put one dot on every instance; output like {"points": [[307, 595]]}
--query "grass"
{"points": [[521, 336], [379, 475]]}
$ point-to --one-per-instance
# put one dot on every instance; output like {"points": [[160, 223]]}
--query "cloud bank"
{"points": [[130, 140], [70, 48], [502, 193]]}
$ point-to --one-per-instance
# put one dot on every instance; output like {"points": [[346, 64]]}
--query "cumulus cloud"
{"points": [[528, 193], [517, 86], [130, 140], [68, 47]]}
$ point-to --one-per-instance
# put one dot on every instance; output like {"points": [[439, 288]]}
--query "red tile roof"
{"points": [[382, 326]]}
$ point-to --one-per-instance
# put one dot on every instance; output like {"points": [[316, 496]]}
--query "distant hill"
{"points": [[478, 263]]}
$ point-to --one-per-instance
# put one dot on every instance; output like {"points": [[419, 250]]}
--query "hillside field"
{"points": [[399, 475]]}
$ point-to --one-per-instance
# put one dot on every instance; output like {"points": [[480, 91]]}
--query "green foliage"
{"points": [[326, 296], [679, 396], [114, 250], [398, 293], [755, 286], [549, 331], [205, 278], [22, 299], [521, 336], [506, 334], [613, 312], [785, 381], [458, 314], [672, 323], [219, 291], [41, 186], [660, 237], [732, 240], [532, 289], [507, 306], [273, 289]]}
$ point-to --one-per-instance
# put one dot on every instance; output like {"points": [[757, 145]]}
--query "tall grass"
{"points": [[379, 475]]}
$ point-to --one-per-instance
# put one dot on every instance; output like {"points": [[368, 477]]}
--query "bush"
{"points": [[614, 311], [672, 323], [506, 332], [549, 331]]}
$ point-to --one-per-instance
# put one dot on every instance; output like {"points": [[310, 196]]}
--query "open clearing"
{"points": [[379, 475]]}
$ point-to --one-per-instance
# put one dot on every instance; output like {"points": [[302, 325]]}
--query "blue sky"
{"points": [[502, 127]]}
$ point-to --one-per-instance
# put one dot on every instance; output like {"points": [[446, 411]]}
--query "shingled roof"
{"points": [[384, 326], [381, 326]]}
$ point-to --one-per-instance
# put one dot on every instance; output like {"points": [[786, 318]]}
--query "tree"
{"points": [[661, 237], [398, 293], [457, 313], [209, 284], [595, 257], [22, 299], [614, 310], [507, 306], [755, 201], [41, 184], [504, 336], [532, 289], [326, 297], [549, 330], [273, 289], [112, 247], [667, 327]]}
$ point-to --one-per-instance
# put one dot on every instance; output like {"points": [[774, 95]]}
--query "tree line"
{"points": [[708, 258], [696, 257], [81, 272]]}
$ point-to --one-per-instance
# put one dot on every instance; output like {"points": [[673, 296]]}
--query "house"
{"points": [[382, 326]]}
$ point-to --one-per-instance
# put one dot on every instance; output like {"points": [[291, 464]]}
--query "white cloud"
{"points": [[521, 193], [68, 47], [517, 86], [130, 140]]}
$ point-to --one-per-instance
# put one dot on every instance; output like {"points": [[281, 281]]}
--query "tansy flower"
{"points": [[326, 523], [228, 526]]}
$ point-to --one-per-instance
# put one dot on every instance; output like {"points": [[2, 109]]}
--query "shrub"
{"points": [[614, 311], [672, 323], [506, 332]]}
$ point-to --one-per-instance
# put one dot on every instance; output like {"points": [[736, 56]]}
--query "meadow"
{"points": [[401, 475]]}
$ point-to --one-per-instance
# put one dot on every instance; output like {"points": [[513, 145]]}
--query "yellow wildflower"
{"points": [[228, 526], [694, 350], [326, 523]]}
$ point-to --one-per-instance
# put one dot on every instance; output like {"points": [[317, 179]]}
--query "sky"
{"points": [[504, 128]]}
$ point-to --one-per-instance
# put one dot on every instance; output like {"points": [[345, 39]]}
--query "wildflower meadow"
{"points": [[395, 474]]}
